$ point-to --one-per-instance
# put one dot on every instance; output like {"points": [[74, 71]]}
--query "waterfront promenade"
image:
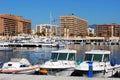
{"points": [[46, 77]]}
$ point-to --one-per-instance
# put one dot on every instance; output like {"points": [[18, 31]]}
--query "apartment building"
{"points": [[47, 29], [12, 25], [108, 30], [73, 26]]}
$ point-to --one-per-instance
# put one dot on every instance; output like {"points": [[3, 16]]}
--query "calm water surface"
{"points": [[40, 55]]}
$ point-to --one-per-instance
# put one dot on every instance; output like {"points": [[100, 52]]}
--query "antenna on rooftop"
{"points": [[72, 14]]}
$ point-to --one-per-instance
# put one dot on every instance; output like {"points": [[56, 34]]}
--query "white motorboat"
{"points": [[5, 47], [62, 63], [101, 65], [49, 44], [19, 66]]}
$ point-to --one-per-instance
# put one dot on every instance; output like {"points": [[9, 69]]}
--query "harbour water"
{"points": [[39, 55]]}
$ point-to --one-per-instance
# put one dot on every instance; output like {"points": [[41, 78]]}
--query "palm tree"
{"points": [[43, 33], [54, 34], [91, 35], [12, 34], [80, 34], [38, 33], [108, 33], [71, 34]]}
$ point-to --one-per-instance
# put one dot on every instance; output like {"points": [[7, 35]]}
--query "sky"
{"points": [[38, 11]]}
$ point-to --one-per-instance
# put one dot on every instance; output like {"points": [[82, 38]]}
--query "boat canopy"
{"points": [[98, 52], [65, 51]]}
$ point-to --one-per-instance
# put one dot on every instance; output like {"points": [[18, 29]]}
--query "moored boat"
{"points": [[19, 66], [5, 47], [62, 63], [100, 63]]}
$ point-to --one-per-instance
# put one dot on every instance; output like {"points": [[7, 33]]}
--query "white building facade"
{"points": [[46, 28], [91, 31]]}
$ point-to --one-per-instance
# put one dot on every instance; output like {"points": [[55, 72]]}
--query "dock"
{"points": [[46, 77]]}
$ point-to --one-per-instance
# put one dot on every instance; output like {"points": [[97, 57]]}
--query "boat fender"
{"points": [[43, 71], [112, 62], [90, 72]]}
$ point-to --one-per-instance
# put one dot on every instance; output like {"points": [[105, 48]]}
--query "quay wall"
{"points": [[46, 77]]}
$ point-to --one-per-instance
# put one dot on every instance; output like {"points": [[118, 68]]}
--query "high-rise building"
{"points": [[108, 30], [13, 25], [73, 26]]}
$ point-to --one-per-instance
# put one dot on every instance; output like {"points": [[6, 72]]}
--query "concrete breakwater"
{"points": [[46, 77]]}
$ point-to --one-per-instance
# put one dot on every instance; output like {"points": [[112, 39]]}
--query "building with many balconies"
{"points": [[108, 30], [13, 25], [73, 26]]}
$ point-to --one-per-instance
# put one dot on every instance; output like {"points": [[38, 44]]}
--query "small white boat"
{"points": [[58, 45], [62, 63], [102, 66], [48, 44], [19, 66]]}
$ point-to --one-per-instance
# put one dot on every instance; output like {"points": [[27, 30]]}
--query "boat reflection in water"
{"points": [[5, 54]]}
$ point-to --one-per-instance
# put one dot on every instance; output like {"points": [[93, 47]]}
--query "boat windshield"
{"points": [[59, 56], [54, 56], [93, 57], [71, 56], [62, 56], [106, 58], [88, 57], [97, 57]]}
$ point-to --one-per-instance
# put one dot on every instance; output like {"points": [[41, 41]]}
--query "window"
{"points": [[97, 57], [71, 56], [88, 57], [54, 56], [22, 66], [62, 56], [106, 57], [9, 64]]}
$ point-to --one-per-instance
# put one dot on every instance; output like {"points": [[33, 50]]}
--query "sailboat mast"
{"points": [[50, 24]]}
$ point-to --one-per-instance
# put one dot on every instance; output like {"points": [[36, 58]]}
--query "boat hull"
{"points": [[101, 73], [60, 72], [26, 70]]}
